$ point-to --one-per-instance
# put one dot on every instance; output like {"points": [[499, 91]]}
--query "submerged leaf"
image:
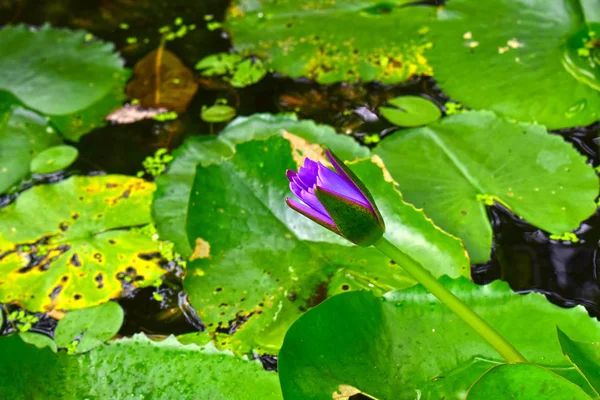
{"points": [[161, 80], [455, 167], [64, 246]]}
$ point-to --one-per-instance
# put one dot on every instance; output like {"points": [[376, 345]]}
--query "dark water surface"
{"points": [[523, 255]]}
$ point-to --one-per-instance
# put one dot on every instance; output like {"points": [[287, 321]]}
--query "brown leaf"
{"points": [[161, 80]]}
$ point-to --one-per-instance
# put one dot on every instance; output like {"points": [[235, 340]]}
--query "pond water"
{"points": [[524, 256]]}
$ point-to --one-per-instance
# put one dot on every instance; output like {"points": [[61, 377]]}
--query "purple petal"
{"points": [[290, 174], [344, 175], [310, 213], [337, 184], [311, 200], [308, 173]]}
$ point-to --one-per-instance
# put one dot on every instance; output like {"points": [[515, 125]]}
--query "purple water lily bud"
{"points": [[337, 200]]}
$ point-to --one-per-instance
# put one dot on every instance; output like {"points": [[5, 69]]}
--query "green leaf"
{"points": [[524, 381], [411, 111], [449, 169], [512, 60], [23, 135], [38, 340], [54, 159], [408, 345], [239, 223], [358, 40], [90, 327], [65, 246], [60, 74], [217, 113], [132, 369], [585, 357]]}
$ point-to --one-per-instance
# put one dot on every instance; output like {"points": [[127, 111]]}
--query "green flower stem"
{"points": [[422, 275]]}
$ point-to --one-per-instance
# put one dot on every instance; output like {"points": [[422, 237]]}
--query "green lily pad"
{"points": [[238, 223], [524, 381], [585, 356], [170, 206], [23, 135], [59, 73], [132, 369], [65, 246], [411, 111], [408, 345], [39, 340], [54, 159], [331, 42], [89, 327], [217, 114], [519, 60], [454, 167]]}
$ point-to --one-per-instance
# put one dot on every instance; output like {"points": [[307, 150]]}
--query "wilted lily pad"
{"points": [[66, 245], [59, 73], [132, 368], [160, 79], [521, 60], [408, 342], [238, 224], [454, 167], [23, 135], [335, 41]]}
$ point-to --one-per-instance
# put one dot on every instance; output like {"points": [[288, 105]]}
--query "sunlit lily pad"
{"points": [[408, 344], [518, 60], [454, 167], [257, 265], [335, 41], [23, 135], [132, 369], [59, 73], [65, 246], [410, 111]]}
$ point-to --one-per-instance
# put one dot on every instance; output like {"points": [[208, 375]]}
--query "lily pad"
{"points": [[54, 159], [89, 328], [160, 79], [520, 60], [232, 68], [524, 381], [331, 42], [59, 73], [217, 114], [65, 246], [23, 135], [407, 344], [450, 170], [39, 340], [585, 356], [132, 369], [411, 111]]}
